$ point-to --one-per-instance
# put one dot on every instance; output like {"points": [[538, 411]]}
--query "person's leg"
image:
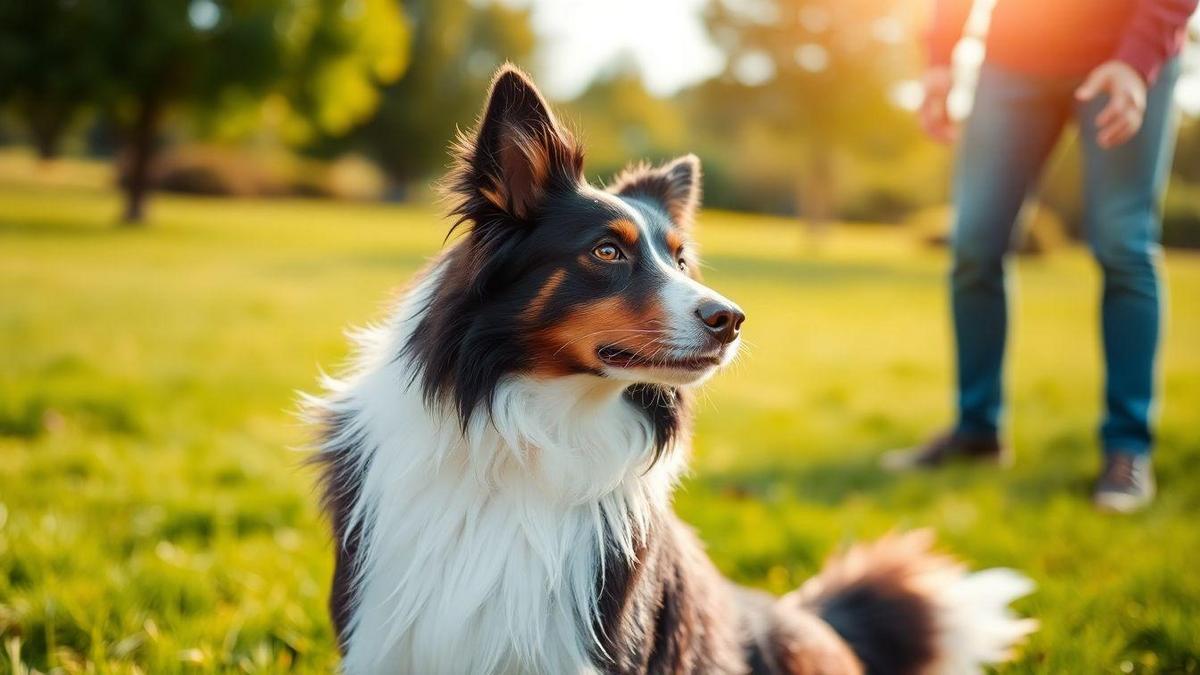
{"points": [[1123, 191], [1014, 124]]}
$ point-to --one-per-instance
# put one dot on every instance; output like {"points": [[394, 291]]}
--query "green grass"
{"points": [[154, 516]]}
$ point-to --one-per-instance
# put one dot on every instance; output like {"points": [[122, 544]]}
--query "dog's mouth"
{"points": [[619, 357]]}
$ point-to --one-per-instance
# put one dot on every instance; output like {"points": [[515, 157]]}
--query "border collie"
{"points": [[498, 463]]}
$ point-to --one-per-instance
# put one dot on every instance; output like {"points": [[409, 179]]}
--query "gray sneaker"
{"points": [[1127, 483], [947, 448]]}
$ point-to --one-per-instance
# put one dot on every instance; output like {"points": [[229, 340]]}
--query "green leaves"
{"points": [[291, 66]]}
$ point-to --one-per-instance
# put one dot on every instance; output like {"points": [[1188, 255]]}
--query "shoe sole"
{"points": [[1120, 502]]}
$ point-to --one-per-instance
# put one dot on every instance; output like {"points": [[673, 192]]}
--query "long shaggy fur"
{"points": [[879, 597], [498, 462]]}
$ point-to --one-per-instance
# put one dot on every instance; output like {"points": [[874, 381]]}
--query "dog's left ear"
{"points": [[517, 154], [674, 185]]}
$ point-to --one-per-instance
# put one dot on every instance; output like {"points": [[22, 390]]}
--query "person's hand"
{"points": [[1122, 117], [934, 112]]}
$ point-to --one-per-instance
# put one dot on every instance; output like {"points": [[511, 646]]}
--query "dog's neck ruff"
{"points": [[481, 550]]}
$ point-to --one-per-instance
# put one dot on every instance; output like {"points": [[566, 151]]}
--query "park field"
{"points": [[155, 515]]}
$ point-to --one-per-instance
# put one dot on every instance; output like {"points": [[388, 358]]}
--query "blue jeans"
{"points": [[1014, 124]]}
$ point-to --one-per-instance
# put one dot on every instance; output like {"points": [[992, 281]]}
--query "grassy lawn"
{"points": [[154, 517]]}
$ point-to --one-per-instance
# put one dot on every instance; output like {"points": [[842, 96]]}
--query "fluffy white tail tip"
{"points": [[977, 624]]}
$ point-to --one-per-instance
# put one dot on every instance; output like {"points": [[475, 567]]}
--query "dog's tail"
{"points": [[905, 610]]}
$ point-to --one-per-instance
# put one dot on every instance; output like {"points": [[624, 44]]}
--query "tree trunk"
{"points": [[816, 192], [47, 120], [140, 155], [45, 141]]}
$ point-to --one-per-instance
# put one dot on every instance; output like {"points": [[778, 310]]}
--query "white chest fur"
{"points": [[483, 549]]}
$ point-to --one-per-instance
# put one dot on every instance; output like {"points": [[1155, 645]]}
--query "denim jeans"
{"points": [[1013, 126]]}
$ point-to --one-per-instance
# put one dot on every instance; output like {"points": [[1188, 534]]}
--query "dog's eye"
{"points": [[607, 252], [682, 265]]}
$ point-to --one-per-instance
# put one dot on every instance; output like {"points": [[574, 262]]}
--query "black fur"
{"points": [[667, 409], [472, 334], [886, 625], [341, 484], [656, 614], [675, 186]]}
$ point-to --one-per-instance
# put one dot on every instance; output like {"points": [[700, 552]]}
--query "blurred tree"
{"points": [[321, 59], [49, 69], [818, 75], [308, 64], [459, 44], [620, 121]]}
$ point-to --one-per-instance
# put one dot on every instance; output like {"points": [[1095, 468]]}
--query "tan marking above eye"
{"points": [[675, 241], [625, 230]]}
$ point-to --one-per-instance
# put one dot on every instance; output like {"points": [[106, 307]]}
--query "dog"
{"points": [[498, 462]]}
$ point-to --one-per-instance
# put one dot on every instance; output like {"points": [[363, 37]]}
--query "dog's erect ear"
{"points": [[515, 156], [675, 185]]}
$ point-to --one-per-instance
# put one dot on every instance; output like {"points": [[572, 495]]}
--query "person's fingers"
{"points": [[941, 133], [946, 130], [1115, 109], [935, 119], [1094, 84], [1132, 123], [936, 130], [1119, 135], [1136, 119], [1137, 98], [1121, 116], [1118, 121], [927, 122], [1120, 129], [1107, 135]]}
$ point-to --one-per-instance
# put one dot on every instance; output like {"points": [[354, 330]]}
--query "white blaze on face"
{"points": [[680, 296]]}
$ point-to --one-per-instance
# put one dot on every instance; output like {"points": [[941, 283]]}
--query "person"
{"points": [[1111, 65]]}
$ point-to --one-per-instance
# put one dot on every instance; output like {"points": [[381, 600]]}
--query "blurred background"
{"points": [[197, 196], [797, 107]]}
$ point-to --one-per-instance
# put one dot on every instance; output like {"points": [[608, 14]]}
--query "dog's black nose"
{"points": [[723, 320]]}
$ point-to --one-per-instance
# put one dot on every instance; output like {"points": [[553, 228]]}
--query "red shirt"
{"points": [[1069, 37]]}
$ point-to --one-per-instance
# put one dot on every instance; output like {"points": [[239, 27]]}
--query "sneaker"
{"points": [[949, 447], [1126, 484]]}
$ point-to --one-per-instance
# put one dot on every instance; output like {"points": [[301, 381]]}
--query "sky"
{"points": [[669, 44]]}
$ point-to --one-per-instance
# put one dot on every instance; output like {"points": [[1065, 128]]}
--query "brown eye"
{"points": [[607, 252], [682, 265]]}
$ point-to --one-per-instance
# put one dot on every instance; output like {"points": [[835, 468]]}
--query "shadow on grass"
{"points": [[827, 483], [30, 228], [1046, 483], [807, 271], [831, 483]]}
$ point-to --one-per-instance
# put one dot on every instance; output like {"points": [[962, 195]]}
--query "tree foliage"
{"points": [[49, 68], [814, 76], [620, 121], [458, 44], [305, 65]]}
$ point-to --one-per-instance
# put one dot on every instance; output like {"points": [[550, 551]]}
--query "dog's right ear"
{"points": [[515, 156], [675, 186]]}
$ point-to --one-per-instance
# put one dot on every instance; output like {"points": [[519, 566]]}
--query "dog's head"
{"points": [[555, 277]]}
